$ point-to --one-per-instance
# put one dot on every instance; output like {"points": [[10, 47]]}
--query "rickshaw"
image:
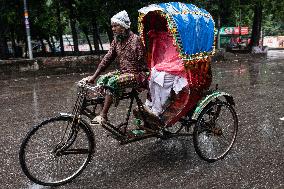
{"points": [[59, 149]]}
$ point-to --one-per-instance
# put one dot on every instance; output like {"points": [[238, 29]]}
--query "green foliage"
{"points": [[10, 17], [273, 17], [270, 28], [44, 18]]}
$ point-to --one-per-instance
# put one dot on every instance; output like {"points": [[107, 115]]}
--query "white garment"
{"points": [[160, 85]]}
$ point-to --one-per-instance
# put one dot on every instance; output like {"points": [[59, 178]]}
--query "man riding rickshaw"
{"points": [[178, 39]]}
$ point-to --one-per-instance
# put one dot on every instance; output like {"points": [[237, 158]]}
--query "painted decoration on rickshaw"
{"points": [[179, 39], [192, 28]]}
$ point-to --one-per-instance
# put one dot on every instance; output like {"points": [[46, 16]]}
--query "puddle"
{"points": [[36, 186], [275, 54]]}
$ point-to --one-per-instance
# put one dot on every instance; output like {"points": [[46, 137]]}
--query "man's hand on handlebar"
{"points": [[91, 79], [88, 79]]}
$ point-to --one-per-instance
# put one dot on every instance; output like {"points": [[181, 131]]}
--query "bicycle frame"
{"points": [[119, 132]]}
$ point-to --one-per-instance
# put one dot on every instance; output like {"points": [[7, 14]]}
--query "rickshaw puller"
{"points": [[129, 53]]}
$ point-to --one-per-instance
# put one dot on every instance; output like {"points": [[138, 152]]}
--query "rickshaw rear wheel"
{"points": [[215, 131]]}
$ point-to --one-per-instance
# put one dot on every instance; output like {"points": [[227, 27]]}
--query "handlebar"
{"points": [[84, 84]]}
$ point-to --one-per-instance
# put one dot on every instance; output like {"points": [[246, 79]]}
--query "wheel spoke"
{"points": [[75, 151], [223, 139], [40, 164], [31, 156], [215, 131], [45, 165]]}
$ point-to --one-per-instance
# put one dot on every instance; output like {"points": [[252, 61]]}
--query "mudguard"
{"points": [[207, 99]]}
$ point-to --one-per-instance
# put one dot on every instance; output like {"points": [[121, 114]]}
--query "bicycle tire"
{"points": [[216, 122], [56, 167]]}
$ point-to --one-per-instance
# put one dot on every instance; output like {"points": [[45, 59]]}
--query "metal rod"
{"points": [[27, 24]]}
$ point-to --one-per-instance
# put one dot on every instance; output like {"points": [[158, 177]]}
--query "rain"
{"points": [[255, 161]]}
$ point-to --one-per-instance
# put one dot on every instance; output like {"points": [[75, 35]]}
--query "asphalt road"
{"points": [[256, 160]]}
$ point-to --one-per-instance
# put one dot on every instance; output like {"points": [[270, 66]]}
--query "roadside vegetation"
{"points": [[87, 21]]}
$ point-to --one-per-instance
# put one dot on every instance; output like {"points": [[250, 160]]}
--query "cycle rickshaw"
{"points": [[58, 149]]}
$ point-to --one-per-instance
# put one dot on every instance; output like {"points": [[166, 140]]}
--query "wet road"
{"points": [[256, 161]]}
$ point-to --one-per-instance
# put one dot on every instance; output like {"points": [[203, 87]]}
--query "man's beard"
{"points": [[121, 36]]}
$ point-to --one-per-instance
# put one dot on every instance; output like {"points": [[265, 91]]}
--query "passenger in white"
{"points": [[167, 71]]}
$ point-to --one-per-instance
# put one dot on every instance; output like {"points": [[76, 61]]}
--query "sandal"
{"points": [[153, 121], [98, 120]]}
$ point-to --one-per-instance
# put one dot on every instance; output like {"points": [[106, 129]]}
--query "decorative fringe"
{"points": [[189, 60]]}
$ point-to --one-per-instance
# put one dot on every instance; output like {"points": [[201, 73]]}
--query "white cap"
{"points": [[122, 19]]}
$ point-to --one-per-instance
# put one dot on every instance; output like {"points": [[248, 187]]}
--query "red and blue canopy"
{"points": [[192, 28]]}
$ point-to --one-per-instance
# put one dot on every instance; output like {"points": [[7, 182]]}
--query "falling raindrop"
{"points": [[35, 104]]}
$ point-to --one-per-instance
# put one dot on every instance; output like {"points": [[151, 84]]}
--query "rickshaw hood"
{"points": [[192, 28]]}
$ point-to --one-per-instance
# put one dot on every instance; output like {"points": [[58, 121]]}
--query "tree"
{"points": [[9, 23], [88, 9], [71, 8], [273, 13], [51, 19], [256, 27], [60, 26], [273, 17]]}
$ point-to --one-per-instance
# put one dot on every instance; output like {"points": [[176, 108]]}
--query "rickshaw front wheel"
{"points": [[215, 131], [56, 151]]}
